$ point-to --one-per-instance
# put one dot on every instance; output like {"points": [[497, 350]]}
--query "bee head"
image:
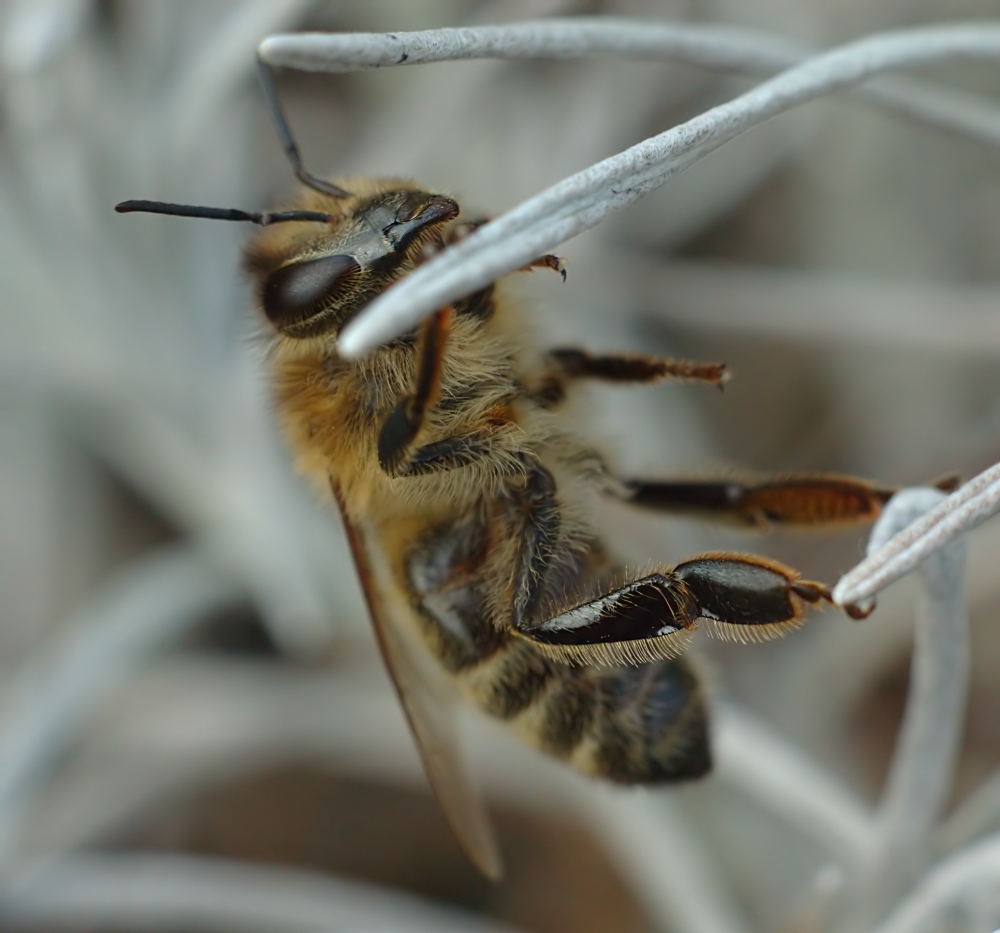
{"points": [[312, 277]]}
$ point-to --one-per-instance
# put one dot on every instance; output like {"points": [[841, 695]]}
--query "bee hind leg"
{"points": [[742, 597]]}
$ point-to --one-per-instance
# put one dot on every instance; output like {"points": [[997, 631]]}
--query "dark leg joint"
{"points": [[397, 435], [400, 429]]}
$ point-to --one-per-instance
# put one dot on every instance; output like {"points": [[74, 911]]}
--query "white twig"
{"points": [[172, 892], [977, 814], [808, 305], [217, 69], [147, 605], [944, 887], [944, 107], [36, 31], [927, 749], [581, 201], [963, 510], [249, 716], [712, 46], [663, 860], [708, 45], [778, 775]]}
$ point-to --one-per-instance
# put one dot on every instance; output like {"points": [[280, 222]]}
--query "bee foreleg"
{"points": [[461, 229], [400, 429], [795, 500], [548, 261]]}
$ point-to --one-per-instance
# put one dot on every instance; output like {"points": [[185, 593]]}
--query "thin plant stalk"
{"points": [[581, 201], [922, 769]]}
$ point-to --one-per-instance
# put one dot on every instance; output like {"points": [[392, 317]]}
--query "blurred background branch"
{"points": [[194, 729]]}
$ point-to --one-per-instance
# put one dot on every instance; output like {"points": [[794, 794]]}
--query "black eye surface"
{"points": [[297, 291]]}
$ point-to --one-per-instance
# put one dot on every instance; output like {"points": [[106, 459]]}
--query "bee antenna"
{"points": [[285, 136], [220, 213]]}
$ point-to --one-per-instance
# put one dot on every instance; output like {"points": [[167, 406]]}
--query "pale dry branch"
{"points": [[175, 892], [967, 507], [140, 610], [808, 305], [581, 201], [775, 773], [664, 860], [974, 816], [707, 45], [920, 776], [946, 888]]}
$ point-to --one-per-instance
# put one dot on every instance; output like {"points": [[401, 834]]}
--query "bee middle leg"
{"points": [[806, 499], [565, 364]]}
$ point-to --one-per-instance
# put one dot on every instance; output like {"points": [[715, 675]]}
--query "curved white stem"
{"points": [[172, 892], [581, 201], [778, 775], [146, 606], [975, 815], [707, 45], [968, 506], [663, 859], [964, 874], [923, 764]]}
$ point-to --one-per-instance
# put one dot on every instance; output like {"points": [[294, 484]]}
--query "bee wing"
{"points": [[430, 715]]}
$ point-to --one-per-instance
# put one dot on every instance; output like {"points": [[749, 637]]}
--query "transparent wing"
{"points": [[431, 716]]}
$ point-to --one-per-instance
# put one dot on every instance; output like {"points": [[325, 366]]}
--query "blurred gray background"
{"points": [[185, 665]]}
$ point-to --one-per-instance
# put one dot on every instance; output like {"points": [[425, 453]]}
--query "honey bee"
{"points": [[462, 495]]}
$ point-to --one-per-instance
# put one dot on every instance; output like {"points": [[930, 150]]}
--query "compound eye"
{"points": [[296, 292]]}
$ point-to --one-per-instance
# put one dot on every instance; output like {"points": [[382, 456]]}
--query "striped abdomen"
{"points": [[630, 724]]}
